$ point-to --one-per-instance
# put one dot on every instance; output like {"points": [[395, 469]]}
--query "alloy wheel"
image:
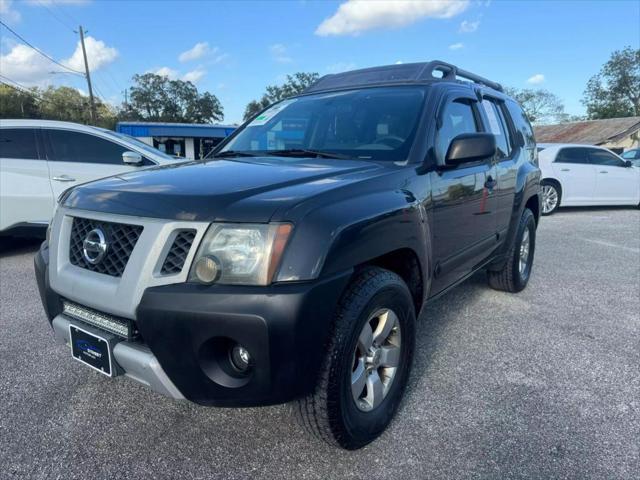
{"points": [[376, 359], [549, 198], [524, 252]]}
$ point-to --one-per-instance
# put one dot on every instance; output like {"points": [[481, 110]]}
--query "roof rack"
{"points": [[452, 72]]}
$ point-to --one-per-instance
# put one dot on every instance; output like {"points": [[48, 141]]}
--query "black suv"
{"points": [[291, 266]]}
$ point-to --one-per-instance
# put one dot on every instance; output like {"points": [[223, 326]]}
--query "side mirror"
{"points": [[132, 158], [628, 163], [470, 147]]}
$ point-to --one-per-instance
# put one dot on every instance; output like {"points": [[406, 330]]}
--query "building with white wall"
{"points": [[186, 140]]}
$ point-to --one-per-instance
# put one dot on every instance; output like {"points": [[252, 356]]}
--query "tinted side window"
{"points": [[18, 143], [497, 126], [522, 123], [69, 146], [600, 157], [457, 118], [573, 155]]}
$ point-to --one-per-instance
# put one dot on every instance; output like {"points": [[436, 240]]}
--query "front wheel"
{"points": [[366, 364], [515, 274]]}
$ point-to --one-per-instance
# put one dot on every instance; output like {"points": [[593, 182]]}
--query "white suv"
{"points": [[39, 159], [584, 175]]}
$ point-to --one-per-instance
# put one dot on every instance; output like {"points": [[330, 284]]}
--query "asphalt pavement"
{"points": [[543, 384]]}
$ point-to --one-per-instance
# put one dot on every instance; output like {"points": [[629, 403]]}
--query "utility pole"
{"points": [[86, 69]]}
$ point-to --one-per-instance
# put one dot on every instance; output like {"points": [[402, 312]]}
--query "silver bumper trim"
{"points": [[135, 359]]}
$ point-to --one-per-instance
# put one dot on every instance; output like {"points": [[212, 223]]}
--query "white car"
{"points": [[39, 159], [633, 156], [583, 175]]}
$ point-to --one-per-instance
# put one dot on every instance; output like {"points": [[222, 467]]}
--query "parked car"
{"points": [[633, 156], [39, 159], [293, 264], [583, 175]]}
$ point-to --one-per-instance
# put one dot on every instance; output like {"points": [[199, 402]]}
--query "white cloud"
{"points": [[194, 76], [355, 16], [26, 66], [9, 14], [469, 27], [98, 55], [199, 50], [537, 79], [456, 46], [279, 53], [203, 50], [341, 67], [168, 72]]}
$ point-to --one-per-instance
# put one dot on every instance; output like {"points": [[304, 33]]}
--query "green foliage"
{"points": [[540, 105], [156, 98], [294, 85], [15, 103], [615, 90], [53, 103]]}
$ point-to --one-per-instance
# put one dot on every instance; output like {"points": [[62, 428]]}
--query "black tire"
{"points": [[550, 184], [331, 413], [510, 278]]}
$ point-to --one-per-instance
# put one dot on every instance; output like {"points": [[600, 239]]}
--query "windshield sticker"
{"points": [[268, 114]]}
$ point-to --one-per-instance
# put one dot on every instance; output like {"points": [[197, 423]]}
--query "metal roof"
{"points": [[167, 129], [590, 132]]}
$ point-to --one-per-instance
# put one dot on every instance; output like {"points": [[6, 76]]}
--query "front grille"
{"points": [[121, 239], [178, 252]]}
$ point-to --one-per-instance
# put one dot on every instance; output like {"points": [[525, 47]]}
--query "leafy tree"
{"points": [[295, 84], [615, 90], [15, 103], [53, 103], [159, 99], [541, 106]]}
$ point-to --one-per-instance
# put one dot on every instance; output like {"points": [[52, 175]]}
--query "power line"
{"points": [[55, 15], [23, 89], [40, 51]]}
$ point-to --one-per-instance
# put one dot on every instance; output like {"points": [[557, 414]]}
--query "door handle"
{"points": [[603, 171], [64, 178], [565, 170]]}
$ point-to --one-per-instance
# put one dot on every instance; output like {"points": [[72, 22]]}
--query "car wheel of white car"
{"points": [[551, 194]]}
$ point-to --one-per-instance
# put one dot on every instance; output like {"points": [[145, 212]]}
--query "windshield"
{"points": [[139, 144], [372, 123], [629, 154]]}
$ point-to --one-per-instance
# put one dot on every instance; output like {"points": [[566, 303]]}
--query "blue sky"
{"points": [[235, 49]]}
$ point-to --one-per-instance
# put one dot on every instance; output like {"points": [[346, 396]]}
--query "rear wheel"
{"points": [[551, 194], [367, 362], [515, 274]]}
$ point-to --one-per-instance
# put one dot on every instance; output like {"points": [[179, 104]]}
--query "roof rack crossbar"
{"points": [[451, 72]]}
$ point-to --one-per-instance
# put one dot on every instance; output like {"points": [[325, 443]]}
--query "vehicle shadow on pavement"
{"points": [[18, 245]]}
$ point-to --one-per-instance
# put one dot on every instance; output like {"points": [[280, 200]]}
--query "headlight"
{"points": [[246, 254]]}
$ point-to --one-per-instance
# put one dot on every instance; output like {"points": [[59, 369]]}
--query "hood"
{"points": [[238, 190]]}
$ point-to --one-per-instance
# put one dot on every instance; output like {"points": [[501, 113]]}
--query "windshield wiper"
{"points": [[233, 153], [303, 152]]}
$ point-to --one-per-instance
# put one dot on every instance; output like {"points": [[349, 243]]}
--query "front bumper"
{"points": [[187, 327]]}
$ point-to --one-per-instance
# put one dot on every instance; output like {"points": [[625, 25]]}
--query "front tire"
{"points": [[367, 362], [515, 274]]}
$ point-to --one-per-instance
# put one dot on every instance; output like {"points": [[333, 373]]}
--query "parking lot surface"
{"points": [[542, 384]]}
